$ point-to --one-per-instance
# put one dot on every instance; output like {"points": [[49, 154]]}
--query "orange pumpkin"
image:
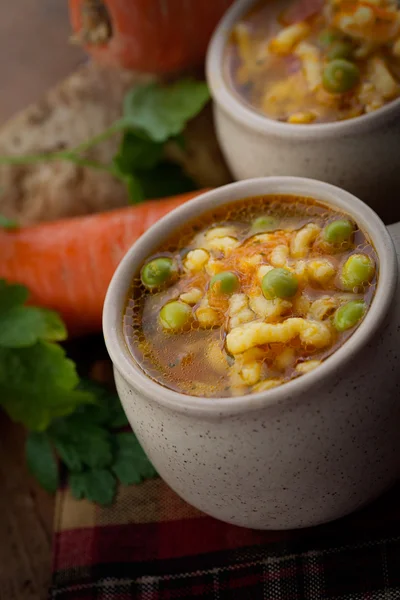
{"points": [[152, 36]]}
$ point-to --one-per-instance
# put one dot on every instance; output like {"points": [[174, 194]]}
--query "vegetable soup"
{"points": [[317, 60], [250, 296]]}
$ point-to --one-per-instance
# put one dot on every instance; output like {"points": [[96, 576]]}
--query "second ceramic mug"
{"points": [[310, 451], [360, 155]]}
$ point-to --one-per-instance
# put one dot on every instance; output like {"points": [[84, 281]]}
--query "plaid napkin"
{"points": [[151, 545]]}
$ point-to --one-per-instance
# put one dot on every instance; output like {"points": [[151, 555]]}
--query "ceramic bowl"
{"points": [[360, 155], [307, 452]]}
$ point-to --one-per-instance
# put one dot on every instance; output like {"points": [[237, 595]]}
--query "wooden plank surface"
{"points": [[26, 518], [35, 54]]}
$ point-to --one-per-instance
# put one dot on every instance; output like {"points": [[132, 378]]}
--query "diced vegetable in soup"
{"points": [[317, 60], [250, 296]]}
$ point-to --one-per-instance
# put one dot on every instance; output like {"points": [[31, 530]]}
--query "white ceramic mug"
{"points": [[310, 451], [360, 155]]}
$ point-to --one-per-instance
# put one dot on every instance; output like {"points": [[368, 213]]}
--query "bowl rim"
{"points": [[322, 192], [227, 99]]}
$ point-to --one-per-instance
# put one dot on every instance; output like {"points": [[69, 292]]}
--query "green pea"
{"points": [[157, 272], [340, 49], [349, 314], [358, 270], [175, 315], [327, 37], [224, 283], [338, 231], [279, 283], [340, 76], [265, 223]]}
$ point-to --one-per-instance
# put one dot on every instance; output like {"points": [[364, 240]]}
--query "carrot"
{"points": [[152, 36], [68, 264]]}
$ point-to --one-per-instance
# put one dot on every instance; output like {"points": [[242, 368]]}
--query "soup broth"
{"points": [[316, 61], [250, 296]]}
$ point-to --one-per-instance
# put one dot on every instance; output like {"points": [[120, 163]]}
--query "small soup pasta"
{"points": [[251, 296], [318, 60]]}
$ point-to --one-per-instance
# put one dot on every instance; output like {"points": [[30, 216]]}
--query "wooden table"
{"points": [[35, 55], [25, 522]]}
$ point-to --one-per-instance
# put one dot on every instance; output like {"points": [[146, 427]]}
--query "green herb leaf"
{"points": [[131, 464], [7, 223], [134, 188], [97, 485], [69, 454], [80, 442], [179, 140], [167, 179], [37, 384], [23, 326], [41, 460], [119, 418], [137, 153], [162, 111], [11, 294], [107, 410]]}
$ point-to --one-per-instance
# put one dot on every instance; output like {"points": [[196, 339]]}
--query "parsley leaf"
{"points": [[135, 190], [153, 114], [119, 418], [94, 454], [7, 223], [11, 294], [42, 461], [167, 179], [137, 152], [162, 111], [40, 388], [37, 384], [22, 326], [179, 140], [107, 410], [82, 443], [98, 485], [140, 165], [85, 438], [68, 453], [131, 464]]}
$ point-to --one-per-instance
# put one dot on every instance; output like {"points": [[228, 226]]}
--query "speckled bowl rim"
{"points": [[226, 98], [326, 193]]}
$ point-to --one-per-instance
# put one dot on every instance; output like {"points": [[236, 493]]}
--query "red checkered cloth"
{"points": [[151, 545]]}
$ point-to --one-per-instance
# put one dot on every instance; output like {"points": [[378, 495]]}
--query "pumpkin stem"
{"points": [[96, 24]]}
